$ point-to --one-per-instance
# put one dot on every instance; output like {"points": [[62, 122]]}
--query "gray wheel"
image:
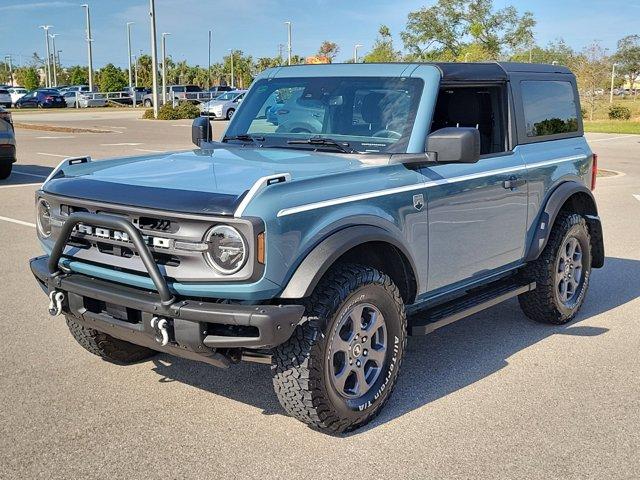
{"points": [[147, 103], [230, 113], [357, 350], [561, 272]]}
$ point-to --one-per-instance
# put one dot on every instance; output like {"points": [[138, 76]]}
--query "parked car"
{"points": [[138, 93], [219, 89], [7, 144], [74, 88], [178, 93], [223, 106], [5, 98], [433, 191], [16, 93], [44, 98], [84, 99]]}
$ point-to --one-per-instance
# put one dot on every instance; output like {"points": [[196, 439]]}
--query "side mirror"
{"points": [[201, 131], [454, 145]]}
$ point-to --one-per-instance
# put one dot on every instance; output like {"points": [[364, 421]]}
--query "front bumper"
{"points": [[198, 329]]}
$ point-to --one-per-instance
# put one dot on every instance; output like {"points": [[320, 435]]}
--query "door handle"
{"points": [[513, 183]]}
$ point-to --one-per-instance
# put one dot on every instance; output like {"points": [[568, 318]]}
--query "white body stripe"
{"points": [[419, 186]]}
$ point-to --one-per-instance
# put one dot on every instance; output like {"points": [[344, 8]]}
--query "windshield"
{"points": [[367, 114], [227, 96]]}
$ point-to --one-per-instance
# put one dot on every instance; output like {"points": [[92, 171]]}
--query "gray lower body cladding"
{"points": [[198, 330]]}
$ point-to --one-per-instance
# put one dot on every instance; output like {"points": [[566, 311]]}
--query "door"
{"points": [[477, 212]]}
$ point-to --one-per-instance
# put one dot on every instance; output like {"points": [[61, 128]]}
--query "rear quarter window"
{"points": [[550, 108]]}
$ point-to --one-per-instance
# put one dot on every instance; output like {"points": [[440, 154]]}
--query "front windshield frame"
{"points": [[342, 107]]}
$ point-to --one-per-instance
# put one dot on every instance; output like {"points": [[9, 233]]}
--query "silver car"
{"points": [[223, 106], [77, 99]]}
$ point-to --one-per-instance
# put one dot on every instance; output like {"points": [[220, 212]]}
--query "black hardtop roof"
{"points": [[494, 70]]}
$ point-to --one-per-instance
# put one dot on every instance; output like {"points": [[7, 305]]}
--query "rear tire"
{"points": [[111, 349], [340, 366], [5, 170], [561, 273], [230, 113], [147, 103]]}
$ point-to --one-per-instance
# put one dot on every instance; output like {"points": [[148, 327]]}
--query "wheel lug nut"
{"points": [[351, 361], [364, 339], [358, 363], [365, 352]]}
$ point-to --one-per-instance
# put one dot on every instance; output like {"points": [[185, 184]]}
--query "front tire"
{"points": [[110, 348], [230, 113], [561, 273], [5, 170], [340, 366]]}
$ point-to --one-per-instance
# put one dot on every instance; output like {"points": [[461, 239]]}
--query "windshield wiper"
{"points": [[244, 137], [323, 142]]}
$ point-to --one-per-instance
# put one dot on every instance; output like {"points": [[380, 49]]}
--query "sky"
{"points": [[257, 26]]}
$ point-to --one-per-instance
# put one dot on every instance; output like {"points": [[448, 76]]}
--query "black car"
{"points": [[7, 144], [43, 98]]}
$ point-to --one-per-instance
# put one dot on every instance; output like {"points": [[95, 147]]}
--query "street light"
{"points": [[233, 83], [8, 59], [613, 78], [89, 46], [47, 65], [154, 56], [209, 64], [355, 52], [164, 67], [129, 56], [55, 69], [288, 24]]}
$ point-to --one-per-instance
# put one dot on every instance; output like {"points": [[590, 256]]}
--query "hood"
{"points": [[198, 181]]}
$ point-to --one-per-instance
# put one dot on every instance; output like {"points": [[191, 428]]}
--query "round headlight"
{"points": [[43, 219], [227, 249]]}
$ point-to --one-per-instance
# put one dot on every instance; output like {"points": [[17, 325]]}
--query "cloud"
{"points": [[34, 5]]}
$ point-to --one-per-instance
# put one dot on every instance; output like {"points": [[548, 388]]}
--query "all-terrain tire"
{"points": [[544, 304], [5, 170], [301, 371], [105, 346]]}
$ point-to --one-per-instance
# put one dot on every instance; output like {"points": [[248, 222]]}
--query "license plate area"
{"points": [[119, 312]]}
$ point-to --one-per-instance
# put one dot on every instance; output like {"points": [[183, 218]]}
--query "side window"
{"points": [[483, 108], [550, 108]]}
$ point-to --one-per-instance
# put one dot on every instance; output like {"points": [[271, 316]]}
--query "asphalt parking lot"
{"points": [[492, 396]]}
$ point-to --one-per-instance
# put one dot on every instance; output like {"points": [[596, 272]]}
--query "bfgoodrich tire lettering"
{"points": [[545, 303], [301, 374], [106, 346]]}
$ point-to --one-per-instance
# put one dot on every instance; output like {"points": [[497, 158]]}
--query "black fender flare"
{"points": [[547, 219], [322, 256]]}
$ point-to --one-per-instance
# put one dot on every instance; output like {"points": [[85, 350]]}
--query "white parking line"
{"points": [[637, 197], [53, 138], [147, 150], [53, 155], [125, 144], [608, 138], [16, 185], [18, 172], [19, 222], [179, 125]]}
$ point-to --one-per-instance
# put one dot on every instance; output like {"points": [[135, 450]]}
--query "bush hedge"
{"points": [[169, 112], [618, 112]]}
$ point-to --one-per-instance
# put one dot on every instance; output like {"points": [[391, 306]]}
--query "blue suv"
{"points": [[398, 199]]}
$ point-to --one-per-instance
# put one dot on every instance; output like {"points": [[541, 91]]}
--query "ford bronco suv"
{"points": [[388, 200]]}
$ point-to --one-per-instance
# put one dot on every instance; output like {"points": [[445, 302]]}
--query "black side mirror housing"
{"points": [[201, 131], [454, 145]]}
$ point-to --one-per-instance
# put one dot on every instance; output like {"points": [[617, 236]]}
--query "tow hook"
{"points": [[55, 303], [162, 333]]}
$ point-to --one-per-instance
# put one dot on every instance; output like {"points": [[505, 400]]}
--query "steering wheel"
{"points": [[386, 133]]}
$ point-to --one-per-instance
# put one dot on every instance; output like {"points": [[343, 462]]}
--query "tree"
{"points": [[592, 69], [77, 75], [628, 59], [111, 78], [329, 50], [445, 30], [383, 50], [27, 77]]}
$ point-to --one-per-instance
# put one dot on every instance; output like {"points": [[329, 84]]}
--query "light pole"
{"points": [[288, 24], [233, 83], [164, 67], [613, 78], [47, 65], [135, 70], [154, 56], [8, 60], [355, 52], [129, 52], [209, 64], [55, 68], [89, 46]]}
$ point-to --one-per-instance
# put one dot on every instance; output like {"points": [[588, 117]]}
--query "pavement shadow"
{"points": [[26, 174], [436, 365]]}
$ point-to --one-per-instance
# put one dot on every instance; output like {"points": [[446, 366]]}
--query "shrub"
{"points": [[169, 112], [618, 112]]}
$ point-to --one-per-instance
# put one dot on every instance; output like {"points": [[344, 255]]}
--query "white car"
{"points": [[223, 106], [5, 98], [16, 93]]}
